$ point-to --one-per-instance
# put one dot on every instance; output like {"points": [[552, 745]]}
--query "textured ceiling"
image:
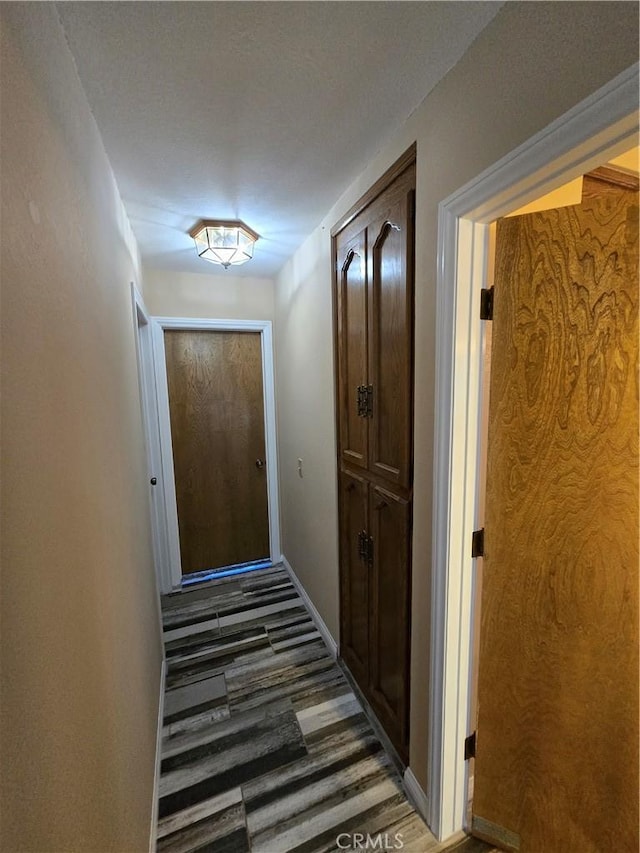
{"points": [[262, 111]]}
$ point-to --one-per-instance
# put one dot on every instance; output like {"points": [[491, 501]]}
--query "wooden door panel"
{"points": [[391, 352], [217, 430], [374, 349], [354, 605], [352, 348], [557, 737], [390, 519]]}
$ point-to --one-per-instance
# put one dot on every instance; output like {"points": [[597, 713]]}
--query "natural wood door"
{"points": [[217, 431], [354, 568], [557, 737], [390, 614], [390, 238], [352, 347]]}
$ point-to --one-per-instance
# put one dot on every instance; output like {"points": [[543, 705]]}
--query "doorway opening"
{"points": [[599, 129], [560, 512]]}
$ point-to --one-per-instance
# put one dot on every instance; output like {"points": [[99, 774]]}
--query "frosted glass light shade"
{"points": [[227, 242]]}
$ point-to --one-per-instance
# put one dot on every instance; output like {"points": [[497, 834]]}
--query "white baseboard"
{"points": [[325, 633], [153, 835], [415, 794]]}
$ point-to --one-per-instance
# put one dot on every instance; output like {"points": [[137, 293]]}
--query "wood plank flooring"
{"points": [[265, 746]]}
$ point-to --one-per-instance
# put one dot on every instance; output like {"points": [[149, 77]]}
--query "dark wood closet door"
{"points": [[556, 765], [354, 604], [390, 614], [217, 433], [373, 301], [390, 240], [352, 347]]}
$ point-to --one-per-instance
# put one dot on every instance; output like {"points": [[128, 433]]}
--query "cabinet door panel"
{"points": [[391, 341], [373, 304], [390, 519], [352, 348], [354, 576]]}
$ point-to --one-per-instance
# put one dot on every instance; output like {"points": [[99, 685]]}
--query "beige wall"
{"points": [[221, 296], [533, 63], [81, 647], [306, 423]]}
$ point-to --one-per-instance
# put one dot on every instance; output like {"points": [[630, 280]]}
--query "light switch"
{"points": [[300, 474]]}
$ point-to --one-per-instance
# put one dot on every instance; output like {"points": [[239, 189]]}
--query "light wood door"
{"points": [[557, 736], [217, 430], [352, 336]]}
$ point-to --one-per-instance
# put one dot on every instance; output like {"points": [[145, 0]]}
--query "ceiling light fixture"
{"points": [[228, 242]]}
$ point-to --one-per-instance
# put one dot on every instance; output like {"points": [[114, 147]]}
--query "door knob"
{"points": [[153, 481], [259, 463]]}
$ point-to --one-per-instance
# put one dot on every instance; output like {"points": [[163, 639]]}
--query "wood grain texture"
{"points": [[374, 310], [391, 323], [374, 263], [390, 614], [557, 743], [612, 178], [217, 429], [355, 589], [352, 298]]}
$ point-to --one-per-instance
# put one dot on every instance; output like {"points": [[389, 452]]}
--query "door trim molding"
{"points": [[415, 793], [599, 128], [394, 171], [143, 329], [264, 327]]}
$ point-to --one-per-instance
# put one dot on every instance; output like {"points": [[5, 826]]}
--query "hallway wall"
{"points": [[224, 295], [81, 646], [532, 63]]}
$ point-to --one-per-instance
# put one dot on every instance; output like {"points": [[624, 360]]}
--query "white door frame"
{"points": [[599, 128], [268, 387], [143, 326]]}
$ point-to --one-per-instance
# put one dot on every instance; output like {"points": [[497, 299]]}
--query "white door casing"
{"points": [[143, 327], [596, 130], [264, 327]]}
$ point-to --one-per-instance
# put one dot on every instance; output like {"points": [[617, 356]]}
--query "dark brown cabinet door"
{"points": [[374, 260], [352, 347], [354, 610], [391, 337], [389, 522]]}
